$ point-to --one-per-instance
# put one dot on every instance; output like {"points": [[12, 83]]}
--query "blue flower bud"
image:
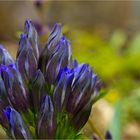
{"points": [[38, 89], [3, 93], [83, 93], [80, 92], [26, 60], [79, 120], [18, 128], [32, 36], [54, 38], [16, 91], [3, 120], [5, 57], [56, 55], [108, 136], [46, 125], [74, 63], [28, 52], [73, 92], [62, 89], [60, 59]]}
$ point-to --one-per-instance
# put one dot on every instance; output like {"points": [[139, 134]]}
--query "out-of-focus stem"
{"points": [[93, 127]]}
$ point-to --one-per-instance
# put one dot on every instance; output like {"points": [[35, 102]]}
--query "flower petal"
{"points": [[56, 45], [26, 61], [54, 37], [80, 119], [38, 89], [3, 120], [62, 89], [18, 128], [17, 93], [32, 35], [46, 125], [5, 57], [59, 60], [3, 93]]}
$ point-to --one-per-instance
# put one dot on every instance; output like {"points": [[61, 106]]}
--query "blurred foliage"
{"points": [[116, 125]]}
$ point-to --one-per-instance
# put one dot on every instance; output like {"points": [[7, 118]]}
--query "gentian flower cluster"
{"points": [[44, 93]]}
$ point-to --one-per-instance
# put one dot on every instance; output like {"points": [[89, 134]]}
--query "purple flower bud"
{"points": [[3, 120], [54, 38], [79, 95], [3, 93], [38, 89], [28, 52], [18, 128], [26, 60], [50, 47], [74, 63], [59, 60], [83, 93], [56, 55], [73, 92], [108, 136], [5, 57], [16, 91], [32, 36], [46, 125], [62, 89], [80, 119]]}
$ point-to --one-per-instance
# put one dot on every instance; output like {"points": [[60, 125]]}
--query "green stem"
{"points": [[93, 127]]}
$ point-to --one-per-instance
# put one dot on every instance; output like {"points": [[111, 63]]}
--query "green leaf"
{"points": [[101, 94]]}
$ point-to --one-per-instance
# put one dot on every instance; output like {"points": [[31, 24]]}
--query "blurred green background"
{"points": [[105, 34]]}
